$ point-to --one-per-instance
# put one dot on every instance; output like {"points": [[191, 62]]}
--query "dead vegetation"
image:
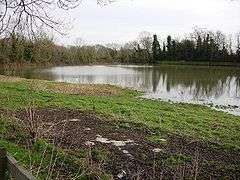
{"points": [[77, 89], [10, 79], [66, 88]]}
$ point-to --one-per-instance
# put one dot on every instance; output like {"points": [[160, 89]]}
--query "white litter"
{"points": [[87, 129], [74, 120], [89, 143], [114, 142], [122, 174], [157, 150]]}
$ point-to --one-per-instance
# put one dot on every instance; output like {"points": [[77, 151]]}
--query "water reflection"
{"points": [[218, 85]]}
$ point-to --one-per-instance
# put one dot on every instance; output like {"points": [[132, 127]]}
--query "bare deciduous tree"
{"points": [[145, 40], [79, 42], [30, 15]]}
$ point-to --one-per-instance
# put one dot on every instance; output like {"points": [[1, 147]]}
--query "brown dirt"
{"points": [[180, 158]]}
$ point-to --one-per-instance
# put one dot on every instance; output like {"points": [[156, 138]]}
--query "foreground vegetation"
{"points": [[123, 107]]}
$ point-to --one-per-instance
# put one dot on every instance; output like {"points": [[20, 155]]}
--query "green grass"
{"points": [[194, 121], [127, 108]]}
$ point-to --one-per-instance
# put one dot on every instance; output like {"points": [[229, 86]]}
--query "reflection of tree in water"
{"points": [[156, 74], [199, 81], [27, 72], [238, 86]]}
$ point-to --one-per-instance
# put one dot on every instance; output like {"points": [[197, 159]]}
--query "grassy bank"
{"points": [[124, 108]]}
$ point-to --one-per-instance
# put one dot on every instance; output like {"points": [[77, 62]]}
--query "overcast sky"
{"points": [[123, 20]]}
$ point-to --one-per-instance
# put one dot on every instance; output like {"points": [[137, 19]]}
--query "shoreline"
{"points": [[187, 63]]}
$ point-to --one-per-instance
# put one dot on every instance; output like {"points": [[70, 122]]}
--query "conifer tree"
{"points": [[156, 50], [238, 48], [199, 54], [164, 47], [174, 50], [163, 54], [169, 47], [213, 50], [224, 52], [238, 54]]}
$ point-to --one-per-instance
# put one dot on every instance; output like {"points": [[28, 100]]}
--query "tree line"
{"points": [[201, 45]]}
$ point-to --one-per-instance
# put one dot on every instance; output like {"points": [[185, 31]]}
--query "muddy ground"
{"points": [[132, 155]]}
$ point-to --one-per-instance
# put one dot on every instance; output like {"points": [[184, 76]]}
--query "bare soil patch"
{"points": [[132, 155]]}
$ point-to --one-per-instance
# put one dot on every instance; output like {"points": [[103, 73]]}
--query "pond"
{"points": [[217, 87]]}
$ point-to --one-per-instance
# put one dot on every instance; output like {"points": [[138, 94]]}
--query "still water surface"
{"points": [[218, 86]]}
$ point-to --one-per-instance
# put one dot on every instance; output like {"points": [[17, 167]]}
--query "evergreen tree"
{"points": [[164, 47], [238, 48], [156, 50], [174, 50], [163, 54], [213, 50], [187, 50], [169, 46], [199, 54], [206, 49], [238, 54], [224, 53]]}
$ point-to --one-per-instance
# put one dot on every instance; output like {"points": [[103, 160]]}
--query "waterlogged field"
{"points": [[68, 131], [217, 87]]}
